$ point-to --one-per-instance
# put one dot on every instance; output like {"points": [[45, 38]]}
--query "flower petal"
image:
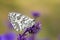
{"points": [[35, 28], [35, 14], [10, 36]]}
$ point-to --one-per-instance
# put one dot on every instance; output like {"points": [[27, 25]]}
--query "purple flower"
{"points": [[10, 36], [35, 28], [32, 30], [10, 25], [21, 37], [35, 14], [32, 37], [0, 38]]}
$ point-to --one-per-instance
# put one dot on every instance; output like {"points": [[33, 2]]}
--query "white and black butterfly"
{"points": [[20, 22]]}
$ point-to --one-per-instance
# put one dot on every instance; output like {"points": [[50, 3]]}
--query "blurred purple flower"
{"points": [[0, 38], [35, 28], [58, 37], [21, 37], [31, 37], [10, 36], [35, 14], [10, 25]]}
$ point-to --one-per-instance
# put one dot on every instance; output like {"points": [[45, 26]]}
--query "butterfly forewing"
{"points": [[20, 22]]}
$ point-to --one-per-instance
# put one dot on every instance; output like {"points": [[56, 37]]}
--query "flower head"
{"points": [[10, 36], [0, 38], [21, 37], [35, 28], [35, 14]]}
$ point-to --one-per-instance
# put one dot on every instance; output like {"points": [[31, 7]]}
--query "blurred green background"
{"points": [[49, 10]]}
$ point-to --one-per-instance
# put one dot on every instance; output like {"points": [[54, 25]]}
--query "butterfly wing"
{"points": [[20, 22]]}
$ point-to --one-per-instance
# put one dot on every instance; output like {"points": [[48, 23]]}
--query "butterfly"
{"points": [[19, 21]]}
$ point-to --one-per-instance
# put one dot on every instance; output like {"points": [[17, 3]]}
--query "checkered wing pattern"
{"points": [[20, 22]]}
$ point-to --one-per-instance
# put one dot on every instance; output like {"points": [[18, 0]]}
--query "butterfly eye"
{"points": [[20, 22]]}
